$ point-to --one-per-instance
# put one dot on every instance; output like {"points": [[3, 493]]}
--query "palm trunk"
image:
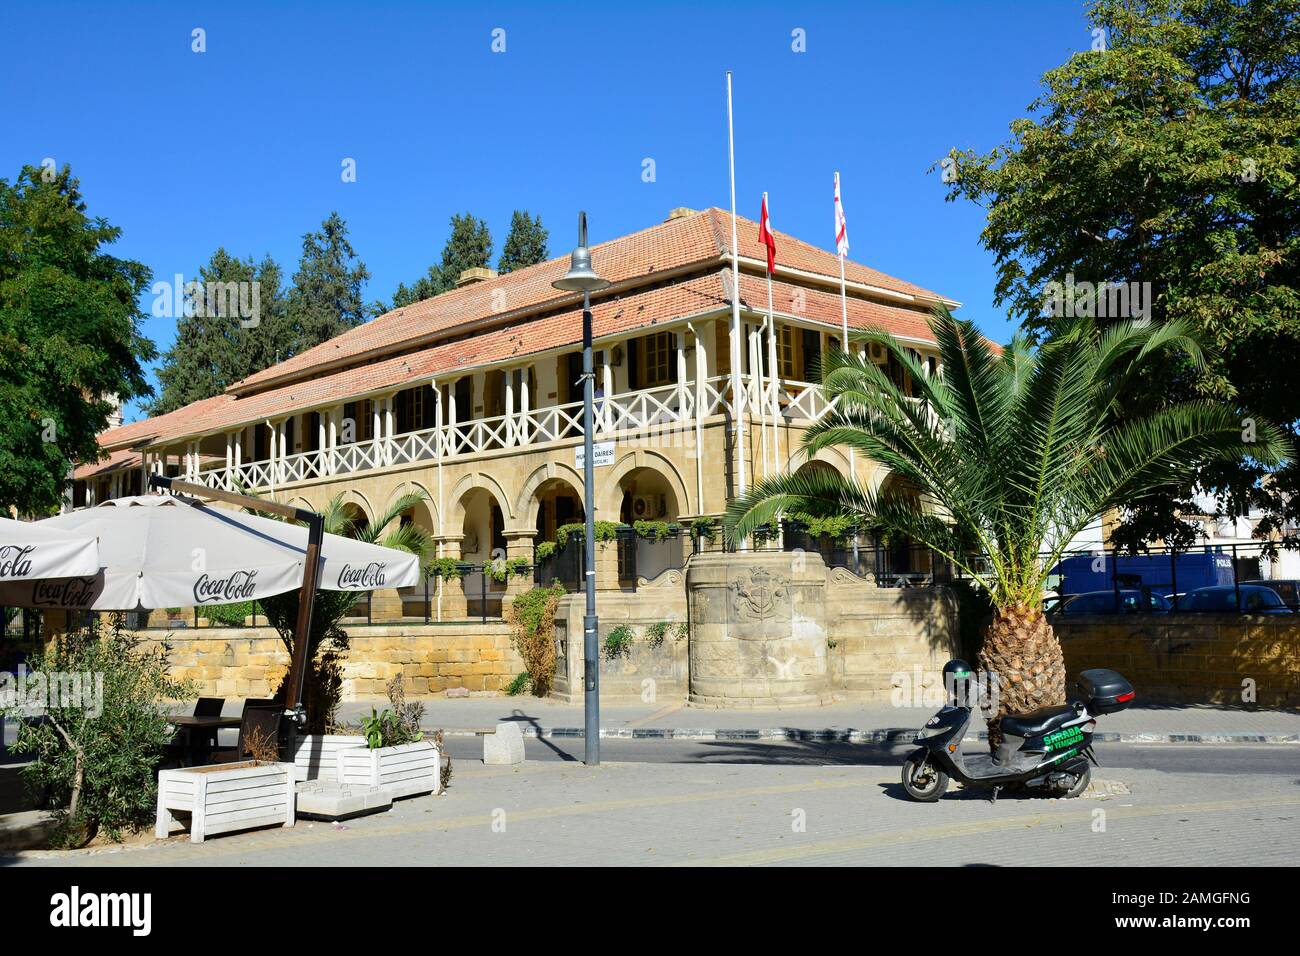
{"points": [[1021, 649]]}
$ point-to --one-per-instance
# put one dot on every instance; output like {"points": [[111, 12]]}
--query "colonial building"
{"points": [[474, 397]]}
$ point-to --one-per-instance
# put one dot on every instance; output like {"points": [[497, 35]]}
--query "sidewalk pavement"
{"points": [[847, 722], [561, 813]]}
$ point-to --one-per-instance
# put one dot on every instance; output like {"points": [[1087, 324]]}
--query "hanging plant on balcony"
{"points": [[655, 530], [605, 531], [545, 550], [502, 571], [704, 528], [449, 569], [835, 527]]}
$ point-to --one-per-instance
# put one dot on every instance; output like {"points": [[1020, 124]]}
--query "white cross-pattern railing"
{"points": [[635, 412]]}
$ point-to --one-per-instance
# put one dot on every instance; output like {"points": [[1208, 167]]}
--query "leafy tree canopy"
{"points": [[1169, 154], [71, 347]]}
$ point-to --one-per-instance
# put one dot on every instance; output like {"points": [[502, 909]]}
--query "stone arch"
{"points": [[609, 489], [357, 505], [430, 502], [834, 457], [526, 504], [470, 482]]}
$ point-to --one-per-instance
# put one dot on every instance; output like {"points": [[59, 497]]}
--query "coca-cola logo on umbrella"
{"points": [[236, 586], [15, 561], [362, 579], [64, 592]]}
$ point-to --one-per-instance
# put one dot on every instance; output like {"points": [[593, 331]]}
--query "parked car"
{"points": [[1130, 601], [1288, 589], [1255, 599]]}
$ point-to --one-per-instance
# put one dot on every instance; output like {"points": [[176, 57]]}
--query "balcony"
{"points": [[634, 412]]}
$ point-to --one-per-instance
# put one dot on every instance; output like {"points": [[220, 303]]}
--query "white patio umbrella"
{"points": [[30, 550], [174, 551]]}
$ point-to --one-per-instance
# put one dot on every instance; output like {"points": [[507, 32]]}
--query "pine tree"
{"points": [[235, 324], [526, 244], [468, 247], [326, 295]]}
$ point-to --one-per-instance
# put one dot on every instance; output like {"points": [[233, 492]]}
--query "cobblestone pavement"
{"points": [[648, 814]]}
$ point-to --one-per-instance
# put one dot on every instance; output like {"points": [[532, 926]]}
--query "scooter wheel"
{"points": [[922, 780], [1080, 784]]}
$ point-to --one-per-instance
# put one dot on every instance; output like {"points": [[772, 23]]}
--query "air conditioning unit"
{"points": [[649, 507], [878, 354]]}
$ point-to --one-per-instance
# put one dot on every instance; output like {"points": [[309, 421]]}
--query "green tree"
{"points": [[1007, 457], [1170, 155], [236, 323], [323, 686], [326, 295], [526, 244], [469, 246], [96, 752], [71, 347]]}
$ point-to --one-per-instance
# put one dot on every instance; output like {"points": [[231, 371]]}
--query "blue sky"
{"points": [[242, 145]]}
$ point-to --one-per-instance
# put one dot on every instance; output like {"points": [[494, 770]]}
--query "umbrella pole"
{"points": [[315, 522]]}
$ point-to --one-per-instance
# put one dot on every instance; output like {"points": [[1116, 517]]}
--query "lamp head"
{"points": [[581, 277]]}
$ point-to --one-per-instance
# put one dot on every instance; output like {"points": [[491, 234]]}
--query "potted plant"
{"points": [[394, 752], [222, 798]]}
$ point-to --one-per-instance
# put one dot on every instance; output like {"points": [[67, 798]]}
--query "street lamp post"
{"points": [[582, 278]]}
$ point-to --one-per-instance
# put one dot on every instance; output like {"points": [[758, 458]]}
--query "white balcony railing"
{"points": [[629, 412]]}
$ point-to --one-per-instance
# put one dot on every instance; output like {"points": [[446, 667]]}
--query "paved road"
{"points": [[557, 812], [1171, 758]]}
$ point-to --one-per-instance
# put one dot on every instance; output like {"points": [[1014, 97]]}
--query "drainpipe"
{"points": [[439, 440], [701, 370]]}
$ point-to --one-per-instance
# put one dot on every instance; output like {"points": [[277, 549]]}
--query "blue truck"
{"points": [[1157, 572]]}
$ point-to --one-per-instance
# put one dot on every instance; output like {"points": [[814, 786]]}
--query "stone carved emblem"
{"points": [[759, 595]]}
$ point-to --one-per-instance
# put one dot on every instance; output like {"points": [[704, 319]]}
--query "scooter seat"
{"points": [[1037, 721]]}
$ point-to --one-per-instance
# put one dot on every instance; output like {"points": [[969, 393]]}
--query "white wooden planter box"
{"points": [[316, 755], [404, 770], [221, 798]]}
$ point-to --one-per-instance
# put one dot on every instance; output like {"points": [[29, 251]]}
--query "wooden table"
{"points": [[189, 724]]}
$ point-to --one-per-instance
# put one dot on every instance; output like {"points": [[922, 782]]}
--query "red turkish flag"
{"points": [[766, 238]]}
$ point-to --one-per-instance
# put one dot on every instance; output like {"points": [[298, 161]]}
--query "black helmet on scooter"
{"points": [[956, 677]]}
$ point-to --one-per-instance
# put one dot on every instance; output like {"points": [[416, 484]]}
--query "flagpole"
{"points": [[844, 342], [773, 375], [737, 404]]}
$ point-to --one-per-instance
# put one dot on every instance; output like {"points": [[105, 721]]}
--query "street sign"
{"points": [[603, 454]]}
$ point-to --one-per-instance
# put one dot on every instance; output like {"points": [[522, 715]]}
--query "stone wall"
{"points": [[1191, 659], [250, 662], [651, 670], [767, 629]]}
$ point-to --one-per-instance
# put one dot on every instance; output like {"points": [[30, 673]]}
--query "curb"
{"points": [[892, 735]]}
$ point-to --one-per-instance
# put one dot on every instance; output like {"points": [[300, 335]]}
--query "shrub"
{"points": [[531, 617], [229, 615], [521, 684], [619, 640], [98, 764]]}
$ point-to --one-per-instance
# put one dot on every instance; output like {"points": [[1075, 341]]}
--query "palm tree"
{"points": [[322, 688], [1006, 457]]}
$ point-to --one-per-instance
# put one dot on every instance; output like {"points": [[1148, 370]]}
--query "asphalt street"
{"points": [[1170, 758]]}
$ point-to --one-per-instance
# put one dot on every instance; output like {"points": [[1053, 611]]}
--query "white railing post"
{"points": [[523, 432]]}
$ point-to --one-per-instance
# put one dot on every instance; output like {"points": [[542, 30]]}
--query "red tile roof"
{"points": [[687, 257], [698, 239]]}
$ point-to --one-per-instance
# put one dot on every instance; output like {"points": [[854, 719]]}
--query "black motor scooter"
{"points": [[1049, 748]]}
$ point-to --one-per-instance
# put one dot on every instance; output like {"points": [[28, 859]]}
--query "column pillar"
{"points": [[519, 544], [523, 433], [454, 605], [511, 425], [606, 410]]}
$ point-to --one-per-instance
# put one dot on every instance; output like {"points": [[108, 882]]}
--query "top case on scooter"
{"points": [[1105, 691]]}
